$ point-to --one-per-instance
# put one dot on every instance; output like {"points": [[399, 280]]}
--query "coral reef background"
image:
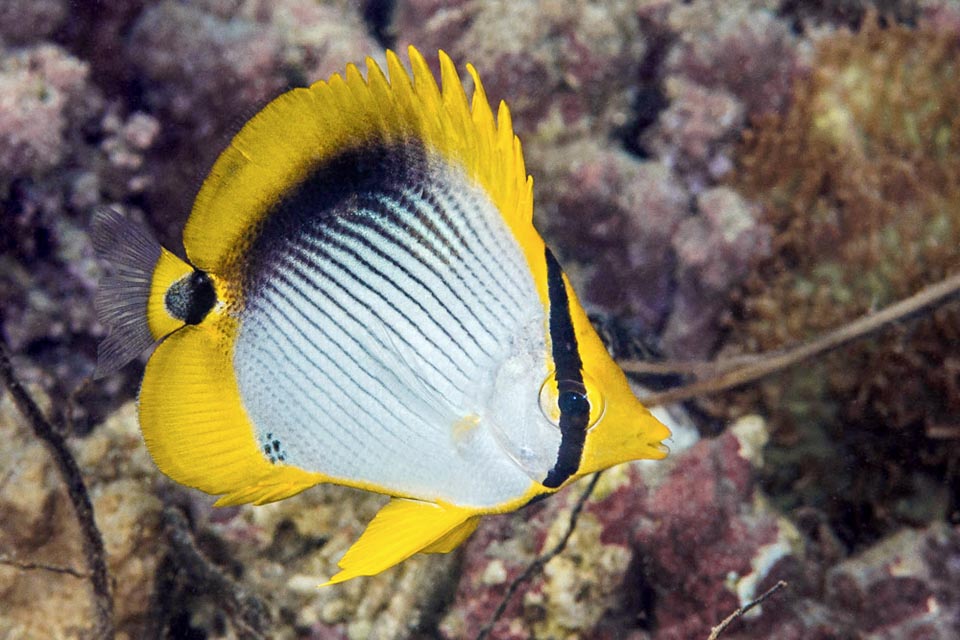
{"points": [[719, 177]]}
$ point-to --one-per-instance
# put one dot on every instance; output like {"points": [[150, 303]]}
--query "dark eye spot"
{"points": [[191, 298], [573, 403]]}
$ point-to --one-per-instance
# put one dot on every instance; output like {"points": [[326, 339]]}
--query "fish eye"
{"points": [[571, 398], [573, 402]]}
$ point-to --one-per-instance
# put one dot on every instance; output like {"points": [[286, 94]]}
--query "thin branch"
{"points": [[717, 630], [69, 428], [696, 368], [77, 491], [771, 362], [33, 566], [541, 561], [247, 612]]}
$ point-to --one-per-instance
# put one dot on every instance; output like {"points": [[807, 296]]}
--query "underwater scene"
{"points": [[416, 319]]}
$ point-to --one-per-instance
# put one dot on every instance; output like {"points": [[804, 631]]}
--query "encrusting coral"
{"points": [[843, 199], [860, 180]]}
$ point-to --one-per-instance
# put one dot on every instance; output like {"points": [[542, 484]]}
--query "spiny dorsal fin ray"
{"points": [[303, 128], [399, 530]]}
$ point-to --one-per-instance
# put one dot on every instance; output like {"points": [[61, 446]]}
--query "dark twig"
{"points": [[69, 428], [33, 566], [695, 368], [541, 561], [77, 491], [717, 630], [750, 368], [246, 611]]}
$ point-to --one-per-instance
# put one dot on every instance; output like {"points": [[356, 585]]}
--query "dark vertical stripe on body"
{"points": [[299, 269], [313, 249], [436, 211], [574, 407], [278, 331], [365, 242], [379, 223]]}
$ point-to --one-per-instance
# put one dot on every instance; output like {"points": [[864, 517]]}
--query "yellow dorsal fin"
{"points": [[399, 530], [196, 428], [302, 129]]}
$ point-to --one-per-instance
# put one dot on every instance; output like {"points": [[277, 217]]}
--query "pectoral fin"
{"points": [[401, 529]]}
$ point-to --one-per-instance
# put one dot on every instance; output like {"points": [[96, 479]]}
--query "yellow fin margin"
{"points": [[302, 128], [169, 269], [399, 530], [196, 429], [627, 431]]}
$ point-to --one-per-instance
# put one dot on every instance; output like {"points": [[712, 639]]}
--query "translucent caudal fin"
{"points": [[132, 258]]}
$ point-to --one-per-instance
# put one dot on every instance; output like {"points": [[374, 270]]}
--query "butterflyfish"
{"points": [[365, 301]]}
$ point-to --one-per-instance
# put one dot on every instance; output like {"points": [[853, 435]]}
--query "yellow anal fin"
{"points": [[399, 530], [455, 538], [269, 490], [196, 428]]}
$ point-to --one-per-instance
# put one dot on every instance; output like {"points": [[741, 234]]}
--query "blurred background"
{"points": [[720, 178]]}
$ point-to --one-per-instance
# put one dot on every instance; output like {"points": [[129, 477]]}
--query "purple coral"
{"points": [[907, 586], [41, 89], [750, 55], [715, 250], [26, 21], [207, 69], [617, 214], [201, 68], [563, 67], [696, 133]]}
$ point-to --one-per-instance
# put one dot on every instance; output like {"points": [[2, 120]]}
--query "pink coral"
{"points": [[40, 89], [688, 551], [715, 250], [696, 133], [617, 214], [749, 54], [698, 530], [566, 65], [28, 21]]}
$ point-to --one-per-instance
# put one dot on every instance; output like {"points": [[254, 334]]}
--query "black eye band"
{"points": [[571, 399], [573, 403]]}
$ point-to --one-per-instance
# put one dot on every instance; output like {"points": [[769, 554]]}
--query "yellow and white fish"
{"points": [[366, 302]]}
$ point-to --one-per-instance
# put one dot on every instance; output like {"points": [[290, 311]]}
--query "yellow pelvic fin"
{"points": [[304, 128], [169, 269], [399, 530], [195, 426]]}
